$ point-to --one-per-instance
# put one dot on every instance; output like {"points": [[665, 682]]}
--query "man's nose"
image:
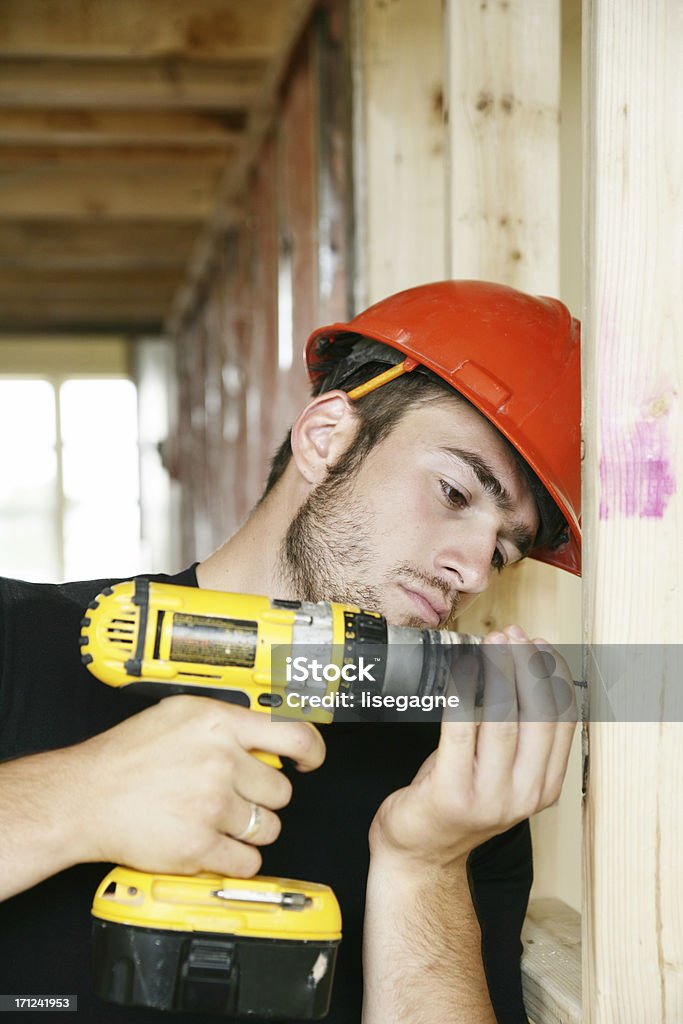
{"points": [[469, 561]]}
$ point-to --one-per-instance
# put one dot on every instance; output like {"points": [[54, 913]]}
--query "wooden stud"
{"points": [[503, 104], [633, 364], [503, 211], [503, 100], [403, 145]]}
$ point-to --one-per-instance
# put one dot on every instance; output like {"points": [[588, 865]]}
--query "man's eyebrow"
{"points": [[520, 535]]}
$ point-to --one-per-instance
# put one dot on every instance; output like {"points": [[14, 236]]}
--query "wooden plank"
{"points": [[403, 141], [112, 128], [146, 190], [129, 318], [332, 55], [22, 158], [94, 283], [297, 228], [551, 963], [504, 99], [633, 363], [103, 245], [99, 28], [503, 215], [76, 296], [149, 84]]}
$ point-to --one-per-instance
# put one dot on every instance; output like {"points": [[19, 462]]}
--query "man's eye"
{"points": [[498, 560], [452, 495]]}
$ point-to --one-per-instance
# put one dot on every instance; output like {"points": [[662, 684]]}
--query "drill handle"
{"points": [[270, 759]]}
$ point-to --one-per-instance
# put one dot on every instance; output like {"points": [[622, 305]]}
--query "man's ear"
{"points": [[323, 430]]}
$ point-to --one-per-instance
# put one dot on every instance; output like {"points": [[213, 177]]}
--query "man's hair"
{"points": [[353, 360]]}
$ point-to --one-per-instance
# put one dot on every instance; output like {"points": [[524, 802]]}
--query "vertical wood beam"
{"points": [[503, 61], [633, 919], [503, 104], [503, 97], [503, 213], [402, 234], [503, 100]]}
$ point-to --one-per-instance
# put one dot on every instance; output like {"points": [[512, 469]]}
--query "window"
{"points": [[69, 478]]}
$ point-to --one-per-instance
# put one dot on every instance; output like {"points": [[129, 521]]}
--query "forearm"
{"points": [[40, 831], [422, 948]]}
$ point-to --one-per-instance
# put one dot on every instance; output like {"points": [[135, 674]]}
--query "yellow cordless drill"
{"points": [[258, 947]]}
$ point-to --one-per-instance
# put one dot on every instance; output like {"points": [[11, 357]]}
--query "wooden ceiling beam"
{"points": [[102, 246], [95, 128], [111, 29], [131, 84], [133, 318], [57, 296], [115, 187], [153, 159], [69, 282]]}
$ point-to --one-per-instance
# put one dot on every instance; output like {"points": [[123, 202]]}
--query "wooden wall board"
{"points": [[633, 363], [403, 142]]}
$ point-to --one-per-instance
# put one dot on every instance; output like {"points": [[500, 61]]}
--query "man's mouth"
{"points": [[433, 610]]}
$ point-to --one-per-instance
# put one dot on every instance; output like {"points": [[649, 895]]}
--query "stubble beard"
{"points": [[327, 554]]}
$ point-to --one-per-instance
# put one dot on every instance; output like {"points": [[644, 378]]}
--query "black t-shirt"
{"points": [[49, 700]]}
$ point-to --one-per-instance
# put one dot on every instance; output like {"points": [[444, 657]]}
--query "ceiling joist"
{"points": [[168, 84], [106, 30], [126, 133], [142, 129]]}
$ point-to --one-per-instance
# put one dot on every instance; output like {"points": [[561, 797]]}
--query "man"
{"points": [[397, 490]]}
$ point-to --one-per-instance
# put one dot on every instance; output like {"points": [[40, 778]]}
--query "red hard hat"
{"points": [[513, 356]]}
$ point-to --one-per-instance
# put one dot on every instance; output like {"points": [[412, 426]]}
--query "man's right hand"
{"points": [[166, 790]]}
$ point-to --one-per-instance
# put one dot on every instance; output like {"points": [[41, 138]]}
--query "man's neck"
{"points": [[248, 562]]}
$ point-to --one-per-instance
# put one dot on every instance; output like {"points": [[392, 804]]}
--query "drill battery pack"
{"points": [[257, 947]]}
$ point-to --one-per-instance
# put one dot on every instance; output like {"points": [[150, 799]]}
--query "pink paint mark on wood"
{"points": [[637, 478]]}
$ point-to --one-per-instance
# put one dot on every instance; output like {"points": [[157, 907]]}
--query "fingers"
{"points": [[499, 729], [230, 858], [299, 741], [458, 740], [559, 680], [186, 785], [518, 753], [250, 823], [540, 686], [499, 702], [463, 683], [259, 783]]}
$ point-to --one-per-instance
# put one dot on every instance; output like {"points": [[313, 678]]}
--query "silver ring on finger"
{"points": [[251, 828]]}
